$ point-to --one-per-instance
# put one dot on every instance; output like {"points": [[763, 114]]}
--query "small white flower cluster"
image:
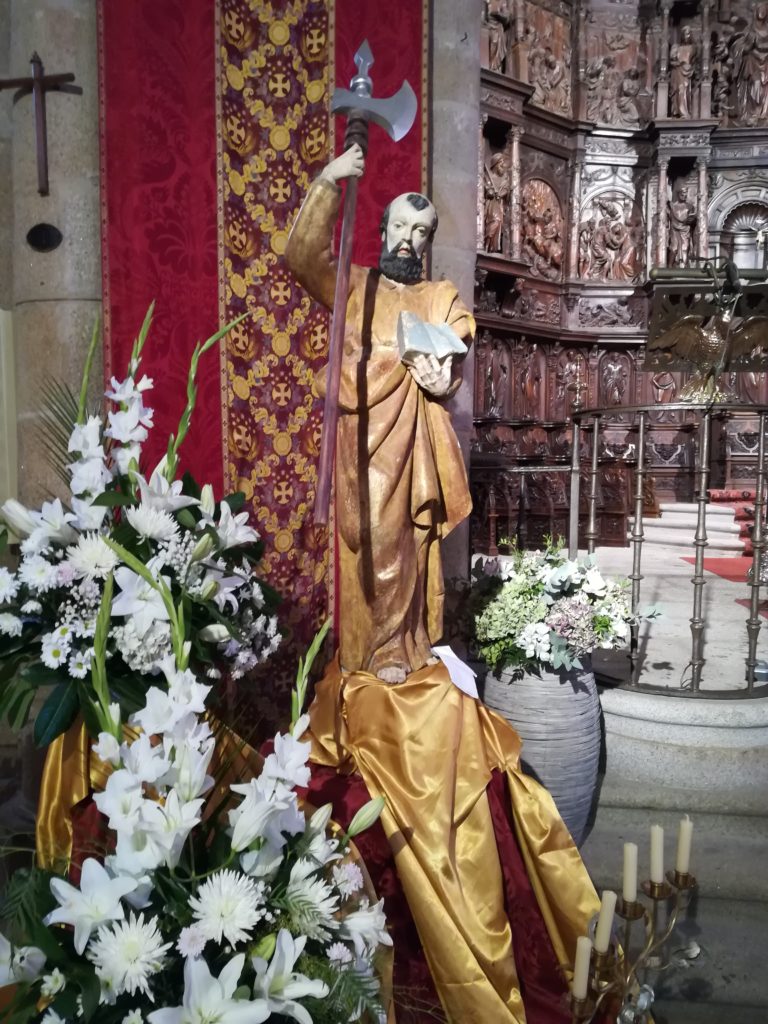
{"points": [[153, 799], [543, 608], [58, 586]]}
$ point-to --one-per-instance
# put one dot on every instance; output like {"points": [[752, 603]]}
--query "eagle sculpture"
{"points": [[712, 341]]}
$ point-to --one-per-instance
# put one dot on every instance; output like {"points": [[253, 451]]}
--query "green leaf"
{"points": [[38, 674], [113, 499], [235, 500], [57, 714], [18, 712], [81, 410]]}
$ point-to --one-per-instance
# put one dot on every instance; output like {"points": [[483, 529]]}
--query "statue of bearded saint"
{"points": [[401, 485]]}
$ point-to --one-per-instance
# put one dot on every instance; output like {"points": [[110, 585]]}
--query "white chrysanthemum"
{"points": [[191, 941], [38, 574], [53, 652], [10, 625], [133, 1017], [311, 902], [8, 585], [53, 983], [154, 523], [31, 608], [338, 953], [127, 954], [348, 879], [228, 906], [92, 558]]}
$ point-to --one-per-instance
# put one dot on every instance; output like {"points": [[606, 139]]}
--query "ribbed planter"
{"points": [[558, 718]]}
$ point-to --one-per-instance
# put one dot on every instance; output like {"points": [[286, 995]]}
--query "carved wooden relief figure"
{"points": [[683, 63], [497, 189], [495, 26], [548, 44], [610, 244], [682, 217], [542, 229], [749, 53]]}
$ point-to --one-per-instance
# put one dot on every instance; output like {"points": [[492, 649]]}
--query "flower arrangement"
{"points": [[235, 908], [205, 900], [541, 609], [169, 555]]}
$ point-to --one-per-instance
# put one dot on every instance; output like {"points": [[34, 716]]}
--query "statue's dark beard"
{"points": [[403, 269]]}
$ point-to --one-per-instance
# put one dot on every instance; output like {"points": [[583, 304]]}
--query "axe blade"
{"points": [[395, 114]]}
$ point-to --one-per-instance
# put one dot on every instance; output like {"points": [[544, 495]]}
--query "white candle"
{"points": [[581, 967], [657, 853], [683, 859], [605, 921], [629, 887]]}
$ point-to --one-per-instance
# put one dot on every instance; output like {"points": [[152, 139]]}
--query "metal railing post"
{"points": [[592, 525], [573, 524], [637, 547], [758, 545], [700, 542]]}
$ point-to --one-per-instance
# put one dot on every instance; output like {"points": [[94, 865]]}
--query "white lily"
{"points": [[95, 902], [366, 928], [17, 518], [87, 515], [278, 983], [209, 1000], [265, 813], [138, 599], [159, 493], [232, 529]]}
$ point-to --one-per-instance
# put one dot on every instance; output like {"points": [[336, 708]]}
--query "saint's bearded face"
{"points": [[408, 225]]}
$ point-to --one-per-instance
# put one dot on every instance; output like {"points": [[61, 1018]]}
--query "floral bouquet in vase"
{"points": [[540, 609]]}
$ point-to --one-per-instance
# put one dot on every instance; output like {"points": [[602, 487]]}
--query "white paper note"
{"points": [[461, 674]]}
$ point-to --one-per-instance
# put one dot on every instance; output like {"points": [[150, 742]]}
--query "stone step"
{"points": [[729, 543], [691, 507], [716, 525]]}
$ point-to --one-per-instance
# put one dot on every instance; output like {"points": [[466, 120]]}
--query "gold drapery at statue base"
{"points": [[429, 750]]}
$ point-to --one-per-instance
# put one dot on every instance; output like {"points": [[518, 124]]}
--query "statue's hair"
{"points": [[418, 202]]}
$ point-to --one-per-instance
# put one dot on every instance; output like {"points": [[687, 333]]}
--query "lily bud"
{"points": [[265, 947], [318, 823], [367, 815], [203, 548], [17, 518], [210, 590], [214, 633], [207, 503]]}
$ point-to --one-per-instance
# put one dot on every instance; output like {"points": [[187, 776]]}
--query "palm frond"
{"points": [[60, 412]]}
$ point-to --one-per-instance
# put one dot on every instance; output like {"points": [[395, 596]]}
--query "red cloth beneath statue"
{"points": [[542, 985]]}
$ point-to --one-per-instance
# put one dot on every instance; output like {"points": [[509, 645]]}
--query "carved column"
{"points": [[481, 185], [515, 208], [662, 88], [519, 47], [705, 88], [573, 244], [580, 106], [661, 214], [701, 209]]}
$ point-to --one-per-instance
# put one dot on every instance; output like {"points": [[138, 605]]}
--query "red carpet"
{"points": [[762, 607], [733, 569]]}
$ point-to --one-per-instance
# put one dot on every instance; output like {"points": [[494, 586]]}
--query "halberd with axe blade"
{"points": [[395, 115]]}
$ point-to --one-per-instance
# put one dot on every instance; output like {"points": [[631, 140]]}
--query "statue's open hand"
{"points": [[431, 374], [350, 164]]}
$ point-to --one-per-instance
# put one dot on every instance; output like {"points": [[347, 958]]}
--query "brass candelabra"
{"points": [[614, 989]]}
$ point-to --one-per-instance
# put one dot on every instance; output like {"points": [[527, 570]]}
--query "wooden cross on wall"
{"points": [[39, 84]]}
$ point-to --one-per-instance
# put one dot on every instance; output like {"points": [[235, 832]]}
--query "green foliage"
{"points": [[60, 410], [57, 714]]}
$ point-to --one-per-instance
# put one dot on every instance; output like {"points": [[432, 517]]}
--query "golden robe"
{"points": [[401, 485]]}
